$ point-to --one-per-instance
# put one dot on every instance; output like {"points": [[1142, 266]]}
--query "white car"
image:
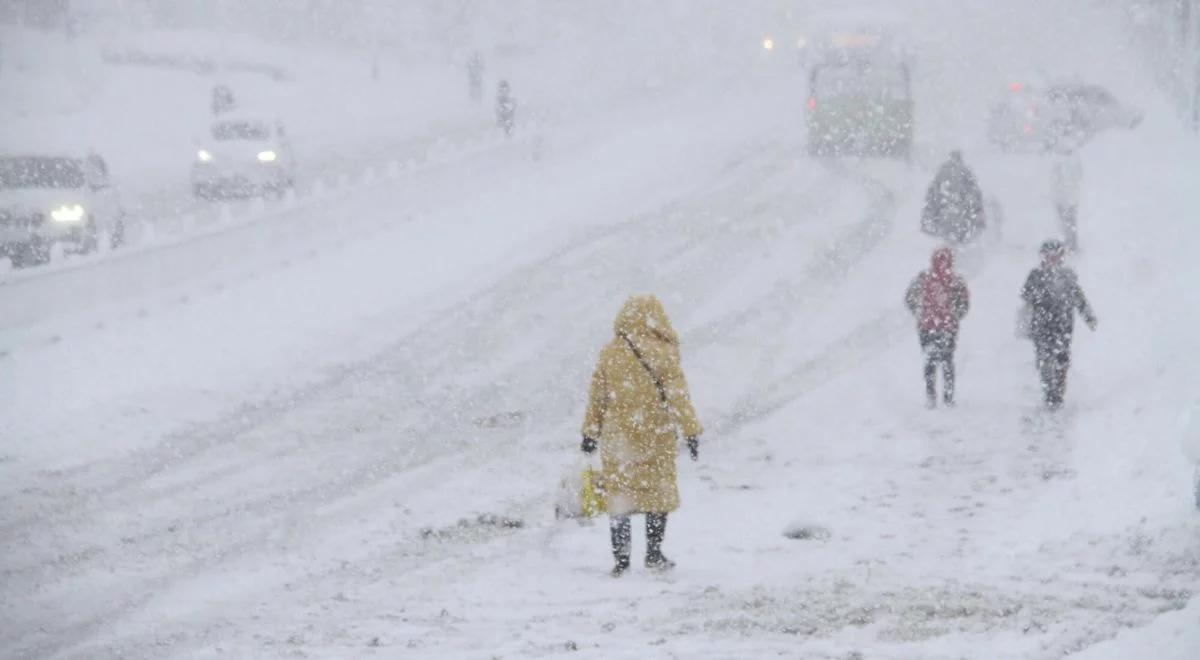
{"points": [[56, 200], [243, 156], [1034, 118]]}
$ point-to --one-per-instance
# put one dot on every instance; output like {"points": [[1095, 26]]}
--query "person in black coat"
{"points": [[475, 77], [222, 100], [1053, 296], [954, 202], [506, 107]]}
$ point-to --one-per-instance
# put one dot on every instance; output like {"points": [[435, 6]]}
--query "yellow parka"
{"points": [[627, 413]]}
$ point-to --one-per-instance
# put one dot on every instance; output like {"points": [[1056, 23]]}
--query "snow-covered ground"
{"points": [[337, 429]]}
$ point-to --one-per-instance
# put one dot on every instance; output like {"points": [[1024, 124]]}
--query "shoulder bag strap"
{"points": [[662, 391]]}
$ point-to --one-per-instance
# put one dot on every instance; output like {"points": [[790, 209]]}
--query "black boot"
{"points": [[656, 527], [620, 529]]}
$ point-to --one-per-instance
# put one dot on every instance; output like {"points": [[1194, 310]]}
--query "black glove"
{"points": [[694, 447], [588, 445]]}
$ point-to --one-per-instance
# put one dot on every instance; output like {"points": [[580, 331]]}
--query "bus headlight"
{"points": [[266, 156], [203, 156]]}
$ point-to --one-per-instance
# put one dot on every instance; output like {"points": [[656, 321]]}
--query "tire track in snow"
{"points": [[408, 550], [831, 263], [477, 310], [818, 282]]}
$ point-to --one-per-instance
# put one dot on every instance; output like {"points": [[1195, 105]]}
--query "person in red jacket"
{"points": [[938, 299]]}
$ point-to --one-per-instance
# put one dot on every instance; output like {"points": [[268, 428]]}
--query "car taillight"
{"points": [[1016, 87], [812, 104]]}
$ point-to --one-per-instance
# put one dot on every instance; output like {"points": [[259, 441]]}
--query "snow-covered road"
{"points": [[338, 431], [182, 463]]}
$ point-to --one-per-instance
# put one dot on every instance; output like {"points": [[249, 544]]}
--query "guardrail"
{"points": [[197, 64]]}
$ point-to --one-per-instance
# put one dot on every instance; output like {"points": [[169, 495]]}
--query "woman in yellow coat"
{"points": [[638, 404]]}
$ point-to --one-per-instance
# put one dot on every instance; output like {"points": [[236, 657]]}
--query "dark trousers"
{"points": [[1068, 214], [621, 529], [1053, 360], [939, 350]]}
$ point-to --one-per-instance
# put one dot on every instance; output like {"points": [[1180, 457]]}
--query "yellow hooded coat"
{"points": [[627, 413]]}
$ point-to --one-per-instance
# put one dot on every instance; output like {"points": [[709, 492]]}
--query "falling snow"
{"points": [[301, 303]]}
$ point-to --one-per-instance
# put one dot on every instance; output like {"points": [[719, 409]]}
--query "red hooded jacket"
{"points": [[938, 297]]}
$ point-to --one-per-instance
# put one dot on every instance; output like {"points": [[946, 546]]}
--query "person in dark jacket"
{"points": [[222, 100], [1053, 296], [1066, 178], [475, 69], [953, 203], [938, 299], [506, 108]]}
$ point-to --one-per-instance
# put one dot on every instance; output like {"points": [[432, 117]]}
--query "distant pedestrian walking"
{"points": [[1052, 295], [938, 299], [1066, 179], [638, 405], [506, 108], [954, 209], [475, 68], [222, 100]]}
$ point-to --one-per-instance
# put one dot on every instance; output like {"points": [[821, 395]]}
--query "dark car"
{"points": [[1030, 118]]}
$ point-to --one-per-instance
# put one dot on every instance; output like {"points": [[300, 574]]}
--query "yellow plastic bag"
{"points": [[592, 494]]}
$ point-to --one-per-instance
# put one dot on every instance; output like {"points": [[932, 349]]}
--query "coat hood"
{"points": [[643, 318], [943, 261], [637, 407]]}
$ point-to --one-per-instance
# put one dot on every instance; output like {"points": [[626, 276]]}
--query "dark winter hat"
{"points": [[1052, 247]]}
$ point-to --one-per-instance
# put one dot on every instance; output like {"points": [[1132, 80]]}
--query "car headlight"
{"points": [[768, 43], [203, 156], [266, 156], [67, 213]]}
